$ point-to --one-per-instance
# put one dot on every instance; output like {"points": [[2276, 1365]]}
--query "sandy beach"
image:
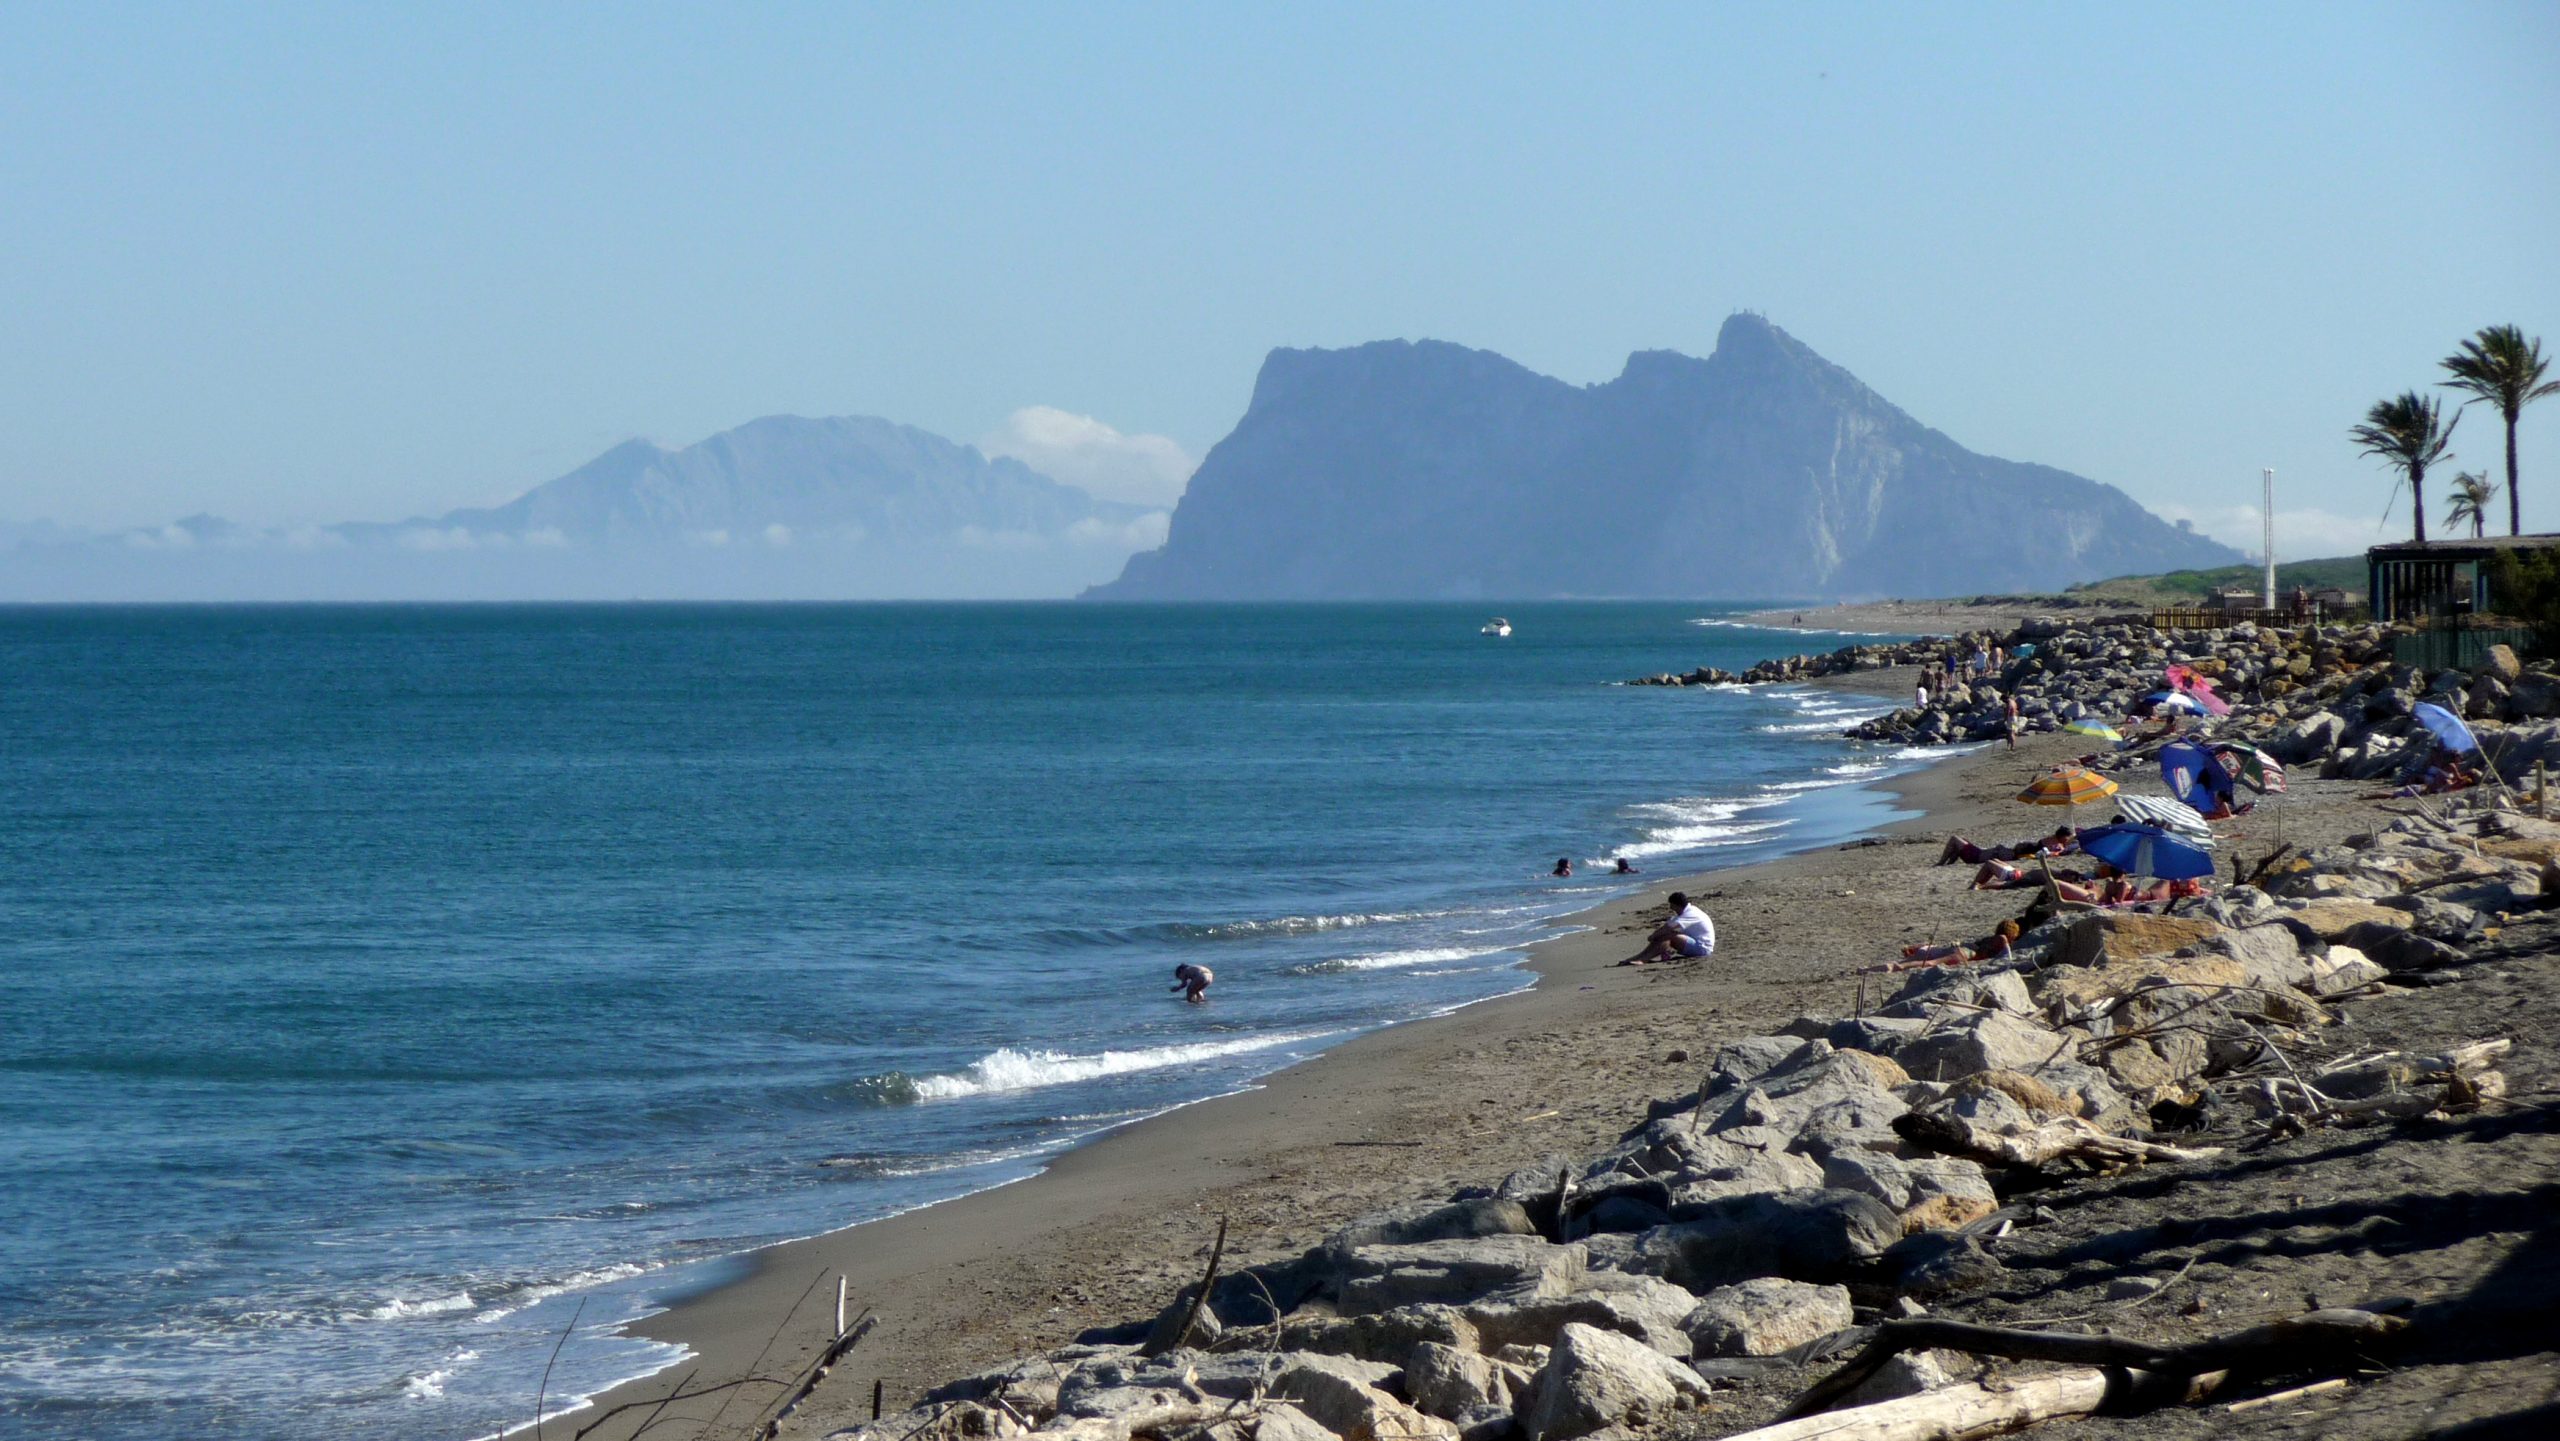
{"points": [[1110, 1231]]}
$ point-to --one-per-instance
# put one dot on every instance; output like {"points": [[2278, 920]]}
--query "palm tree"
{"points": [[2503, 368], [2471, 496], [2412, 434]]}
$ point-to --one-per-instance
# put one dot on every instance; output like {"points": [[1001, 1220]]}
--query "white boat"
{"points": [[1496, 627]]}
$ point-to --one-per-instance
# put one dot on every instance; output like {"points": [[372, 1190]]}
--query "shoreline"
{"points": [[1108, 1229]]}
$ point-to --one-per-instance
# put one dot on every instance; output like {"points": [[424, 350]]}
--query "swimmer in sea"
{"points": [[1564, 866], [1625, 867], [1193, 981]]}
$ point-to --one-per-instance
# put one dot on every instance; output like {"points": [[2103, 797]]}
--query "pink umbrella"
{"points": [[2186, 682]]}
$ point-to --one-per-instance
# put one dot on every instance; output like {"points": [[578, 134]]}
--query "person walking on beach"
{"points": [[1687, 935], [2009, 718], [1193, 981]]}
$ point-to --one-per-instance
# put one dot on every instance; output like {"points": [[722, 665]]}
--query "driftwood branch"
{"points": [[817, 1371], [1181, 1334], [2327, 1337]]}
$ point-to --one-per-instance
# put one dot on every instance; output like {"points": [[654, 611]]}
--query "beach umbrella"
{"points": [[2186, 766], [2168, 815], [2092, 726], [2445, 726], [2255, 768], [2140, 850], [2068, 786], [2198, 689], [2173, 700]]}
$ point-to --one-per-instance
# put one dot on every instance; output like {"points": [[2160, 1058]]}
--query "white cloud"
{"points": [[429, 538], [1085, 452], [1145, 533], [777, 534], [2307, 534]]}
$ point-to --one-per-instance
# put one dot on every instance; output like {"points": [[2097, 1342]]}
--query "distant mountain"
{"points": [[1427, 470], [848, 477], [784, 508]]}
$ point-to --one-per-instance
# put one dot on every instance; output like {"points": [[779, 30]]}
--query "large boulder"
{"points": [[2344, 969], [1596, 1379], [1344, 1397], [1386, 1336], [1814, 1235], [1644, 1307], [1766, 1316], [2269, 956], [1384, 1278], [2130, 935], [1434, 1221], [1932, 1193], [1935, 991], [2330, 919], [1962, 1044], [1449, 1383]]}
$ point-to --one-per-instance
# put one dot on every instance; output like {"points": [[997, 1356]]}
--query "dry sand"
{"points": [[1110, 1231]]}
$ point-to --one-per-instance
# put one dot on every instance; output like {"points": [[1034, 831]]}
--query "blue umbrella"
{"points": [[2188, 767], [2445, 726], [2139, 850]]}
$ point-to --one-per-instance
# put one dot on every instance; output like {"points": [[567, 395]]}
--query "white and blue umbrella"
{"points": [[2445, 726], [2167, 814]]}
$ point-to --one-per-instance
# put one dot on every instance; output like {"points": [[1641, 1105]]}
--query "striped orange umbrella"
{"points": [[2068, 786]]}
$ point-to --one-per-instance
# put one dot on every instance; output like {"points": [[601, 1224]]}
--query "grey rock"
{"points": [[1942, 1263], [1980, 1041], [1765, 1316], [1385, 1278], [2270, 954], [1281, 1421], [1935, 992], [1928, 1193], [1597, 1378], [1908, 1374], [1449, 1383], [1345, 1397], [1645, 1307], [1429, 1221], [1816, 1235], [2342, 970]]}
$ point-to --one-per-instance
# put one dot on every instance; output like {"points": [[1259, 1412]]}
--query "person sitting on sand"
{"points": [[1687, 935], [1193, 981], [1957, 848], [1624, 867], [2446, 774], [1996, 946], [1564, 866]]}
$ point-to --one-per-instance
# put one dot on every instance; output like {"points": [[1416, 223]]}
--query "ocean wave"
{"points": [[1701, 837], [1101, 936], [506, 1300], [1778, 728], [400, 1308], [885, 1166], [1394, 960], [429, 1385], [1009, 1069], [1855, 768], [1786, 629]]}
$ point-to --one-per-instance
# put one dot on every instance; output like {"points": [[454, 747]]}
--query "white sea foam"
{"points": [[509, 1302], [1022, 1070], [1700, 837], [1778, 728], [1397, 960], [400, 1308], [1787, 629], [429, 1385]]}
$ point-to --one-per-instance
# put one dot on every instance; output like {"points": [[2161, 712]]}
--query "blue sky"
{"points": [[300, 265]]}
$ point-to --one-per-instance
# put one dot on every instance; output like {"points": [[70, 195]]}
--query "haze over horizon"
{"points": [[296, 267]]}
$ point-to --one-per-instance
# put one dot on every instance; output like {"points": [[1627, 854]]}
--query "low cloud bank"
{"points": [[1093, 456]]}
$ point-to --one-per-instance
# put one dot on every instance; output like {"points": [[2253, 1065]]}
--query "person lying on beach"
{"points": [[2443, 776], [1998, 875], [1957, 848], [1996, 946], [1193, 981], [1687, 935]]}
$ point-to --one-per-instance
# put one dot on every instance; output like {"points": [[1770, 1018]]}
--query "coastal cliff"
{"points": [[1424, 470]]}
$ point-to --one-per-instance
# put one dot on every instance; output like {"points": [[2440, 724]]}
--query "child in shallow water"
{"points": [[1193, 981]]}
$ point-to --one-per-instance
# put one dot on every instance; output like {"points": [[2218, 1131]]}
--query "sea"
{"points": [[384, 989]]}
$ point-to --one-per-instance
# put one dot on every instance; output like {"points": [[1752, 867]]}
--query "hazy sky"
{"points": [[353, 262]]}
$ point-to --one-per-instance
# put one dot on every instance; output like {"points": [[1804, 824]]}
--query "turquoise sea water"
{"points": [[377, 984]]}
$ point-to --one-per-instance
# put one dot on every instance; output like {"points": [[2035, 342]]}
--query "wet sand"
{"points": [[1112, 1229]]}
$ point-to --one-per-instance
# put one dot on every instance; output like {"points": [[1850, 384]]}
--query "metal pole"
{"points": [[2267, 534]]}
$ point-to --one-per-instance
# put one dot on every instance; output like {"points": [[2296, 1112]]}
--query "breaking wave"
{"points": [[1009, 1069]]}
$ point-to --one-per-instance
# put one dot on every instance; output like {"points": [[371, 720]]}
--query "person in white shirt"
{"points": [[1687, 935]]}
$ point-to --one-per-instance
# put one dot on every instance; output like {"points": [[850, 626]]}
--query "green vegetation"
{"points": [[2472, 493], [2502, 367], [2409, 433], [2527, 585], [2343, 571]]}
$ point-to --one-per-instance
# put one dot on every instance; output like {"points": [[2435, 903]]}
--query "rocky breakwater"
{"points": [[1847, 660], [1824, 1184]]}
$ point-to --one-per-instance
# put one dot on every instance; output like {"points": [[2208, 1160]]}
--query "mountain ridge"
{"points": [[1429, 470]]}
